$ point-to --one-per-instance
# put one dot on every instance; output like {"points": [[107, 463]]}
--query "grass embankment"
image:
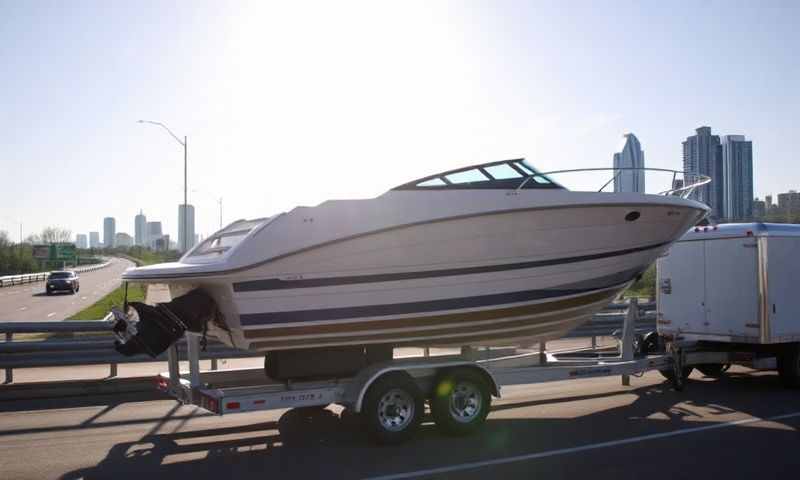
{"points": [[645, 286], [136, 292]]}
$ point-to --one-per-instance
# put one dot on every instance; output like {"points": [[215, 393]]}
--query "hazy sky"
{"points": [[292, 103]]}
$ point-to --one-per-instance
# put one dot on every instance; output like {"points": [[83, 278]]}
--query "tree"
{"points": [[56, 235]]}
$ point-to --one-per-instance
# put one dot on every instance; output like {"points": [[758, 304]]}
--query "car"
{"points": [[61, 281]]}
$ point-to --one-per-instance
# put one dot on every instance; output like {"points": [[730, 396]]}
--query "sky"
{"points": [[294, 103]]}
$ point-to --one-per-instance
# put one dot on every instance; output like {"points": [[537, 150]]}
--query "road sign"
{"points": [[65, 251], [41, 251]]}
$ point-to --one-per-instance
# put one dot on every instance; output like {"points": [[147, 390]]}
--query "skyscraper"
{"points": [[737, 172], [94, 239], [140, 229], [630, 156], [154, 233], [109, 231], [189, 224], [702, 155], [80, 241]]}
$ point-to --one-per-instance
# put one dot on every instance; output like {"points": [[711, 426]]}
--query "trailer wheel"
{"points": [[461, 402], [651, 343], [789, 366], [713, 370], [393, 408]]}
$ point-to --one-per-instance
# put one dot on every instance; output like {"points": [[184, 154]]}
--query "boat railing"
{"points": [[682, 187]]}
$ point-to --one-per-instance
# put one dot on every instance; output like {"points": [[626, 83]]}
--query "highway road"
{"points": [[28, 302], [743, 426]]}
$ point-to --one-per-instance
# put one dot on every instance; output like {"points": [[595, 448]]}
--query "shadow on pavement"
{"points": [[303, 445]]}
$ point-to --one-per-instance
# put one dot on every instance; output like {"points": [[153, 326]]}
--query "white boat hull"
{"points": [[506, 278]]}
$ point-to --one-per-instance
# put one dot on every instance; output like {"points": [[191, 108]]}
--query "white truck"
{"points": [[730, 289]]}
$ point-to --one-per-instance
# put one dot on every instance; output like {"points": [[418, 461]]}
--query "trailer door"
{"points": [[731, 287], [783, 297], [681, 288]]}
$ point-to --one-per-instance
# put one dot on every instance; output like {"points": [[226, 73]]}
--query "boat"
{"points": [[485, 255]]}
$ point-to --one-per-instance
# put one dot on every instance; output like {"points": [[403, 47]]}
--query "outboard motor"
{"points": [[152, 329]]}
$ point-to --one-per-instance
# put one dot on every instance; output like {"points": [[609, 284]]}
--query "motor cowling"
{"points": [[152, 329]]}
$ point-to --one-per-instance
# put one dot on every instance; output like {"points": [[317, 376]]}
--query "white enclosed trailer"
{"points": [[732, 288]]}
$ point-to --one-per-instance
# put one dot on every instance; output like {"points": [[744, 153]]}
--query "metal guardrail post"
{"points": [[113, 370], [214, 363], [542, 355], [9, 371]]}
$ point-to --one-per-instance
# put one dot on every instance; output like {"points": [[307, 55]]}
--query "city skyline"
{"points": [[257, 120]]}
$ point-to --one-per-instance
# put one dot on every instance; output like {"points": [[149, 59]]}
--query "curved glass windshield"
{"points": [[505, 175]]}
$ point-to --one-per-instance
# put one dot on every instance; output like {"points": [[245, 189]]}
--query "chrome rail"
{"points": [[683, 192]]}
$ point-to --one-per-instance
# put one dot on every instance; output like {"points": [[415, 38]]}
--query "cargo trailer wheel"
{"points": [[460, 402], [789, 366], [713, 370], [393, 408]]}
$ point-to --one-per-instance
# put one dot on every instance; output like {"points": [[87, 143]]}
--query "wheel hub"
{"points": [[395, 410], [465, 402]]}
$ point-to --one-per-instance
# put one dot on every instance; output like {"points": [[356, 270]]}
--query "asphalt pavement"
{"points": [[29, 302], [741, 426]]}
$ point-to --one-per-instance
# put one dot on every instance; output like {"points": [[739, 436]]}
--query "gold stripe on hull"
{"points": [[520, 325]]}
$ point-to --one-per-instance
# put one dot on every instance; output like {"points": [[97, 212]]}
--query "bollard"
{"points": [[542, 355]]}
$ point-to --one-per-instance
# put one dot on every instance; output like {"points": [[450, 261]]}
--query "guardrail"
{"points": [[11, 280], [75, 343]]}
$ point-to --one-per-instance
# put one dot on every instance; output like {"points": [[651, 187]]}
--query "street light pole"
{"points": [[184, 144]]}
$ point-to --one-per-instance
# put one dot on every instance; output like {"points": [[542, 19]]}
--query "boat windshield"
{"points": [[505, 175], [225, 239]]}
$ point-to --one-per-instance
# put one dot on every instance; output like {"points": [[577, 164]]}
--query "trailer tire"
{"points": [[713, 370], [461, 401], [393, 408], [789, 366], [651, 343]]}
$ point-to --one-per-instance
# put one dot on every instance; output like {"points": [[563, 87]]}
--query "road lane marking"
{"points": [[23, 308], [50, 314], [582, 448]]}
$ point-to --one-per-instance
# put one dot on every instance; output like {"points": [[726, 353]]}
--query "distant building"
{"points": [[94, 240], [122, 239], [789, 203], [759, 209], [109, 231], [188, 225], [768, 200], [737, 172], [702, 155], [630, 156], [81, 241], [140, 229], [153, 233]]}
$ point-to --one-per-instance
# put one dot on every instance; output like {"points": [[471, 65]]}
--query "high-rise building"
{"points": [[140, 229], [153, 233], [109, 231], [189, 224], [789, 203], [630, 156], [122, 239], [702, 156], [94, 239], [768, 200], [737, 172], [759, 209], [81, 241]]}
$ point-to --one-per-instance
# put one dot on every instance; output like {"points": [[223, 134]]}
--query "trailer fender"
{"points": [[358, 389]]}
